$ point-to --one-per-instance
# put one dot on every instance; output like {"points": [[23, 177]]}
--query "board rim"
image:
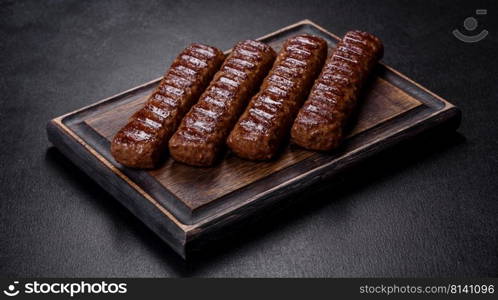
{"points": [[190, 230]]}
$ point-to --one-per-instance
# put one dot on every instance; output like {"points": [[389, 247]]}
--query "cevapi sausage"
{"points": [[143, 140], [320, 123], [202, 133], [266, 121]]}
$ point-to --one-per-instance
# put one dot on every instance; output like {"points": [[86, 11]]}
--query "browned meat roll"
{"points": [[266, 122], [142, 142], [320, 123], [203, 131]]}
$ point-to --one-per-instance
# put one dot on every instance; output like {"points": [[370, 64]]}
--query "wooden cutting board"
{"points": [[187, 205]]}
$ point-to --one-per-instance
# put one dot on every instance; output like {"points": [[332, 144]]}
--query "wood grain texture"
{"points": [[187, 206], [382, 102]]}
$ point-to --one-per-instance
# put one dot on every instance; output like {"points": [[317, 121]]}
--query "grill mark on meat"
{"points": [[305, 41], [214, 101], [162, 113], [265, 123], [187, 135], [169, 90], [140, 143], [219, 92], [242, 63], [261, 113], [320, 122], [293, 62], [150, 123], [137, 135], [276, 91], [205, 51], [249, 53], [194, 61], [202, 133], [164, 100], [237, 73], [177, 81], [281, 82], [206, 112], [251, 126], [231, 82], [183, 71], [257, 45], [299, 50]]}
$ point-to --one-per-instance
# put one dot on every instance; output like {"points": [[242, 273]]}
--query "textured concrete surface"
{"points": [[426, 208]]}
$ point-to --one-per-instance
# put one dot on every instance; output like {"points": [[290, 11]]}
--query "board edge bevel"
{"points": [[191, 230]]}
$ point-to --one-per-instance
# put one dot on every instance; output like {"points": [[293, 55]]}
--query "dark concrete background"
{"points": [[426, 208]]}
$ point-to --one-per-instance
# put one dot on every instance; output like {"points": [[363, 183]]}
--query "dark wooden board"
{"points": [[183, 204], [384, 102]]}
